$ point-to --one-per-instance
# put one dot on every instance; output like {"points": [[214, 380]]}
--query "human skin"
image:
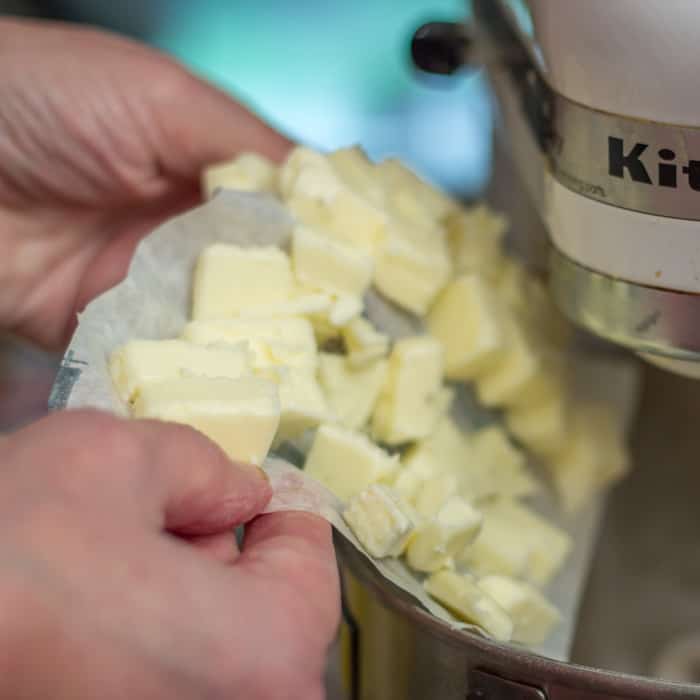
{"points": [[120, 576]]}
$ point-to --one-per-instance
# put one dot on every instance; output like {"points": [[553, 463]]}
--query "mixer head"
{"points": [[602, 126]]}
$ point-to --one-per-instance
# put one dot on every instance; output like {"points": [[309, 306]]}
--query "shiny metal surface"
{"points": [[646, 319]]}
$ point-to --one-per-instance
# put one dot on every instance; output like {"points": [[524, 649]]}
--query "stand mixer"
{"points": [[601, 130], [599, 123]]}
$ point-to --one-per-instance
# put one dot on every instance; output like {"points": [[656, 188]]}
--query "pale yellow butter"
{"points": [[409, 405], [476, 239], [273, 341], [323, 263], [346, 462], [364, 342], [351, 393], [240, 415], [412, 266], [229, 279], [468, 320], [141, 362], [397, 178], [302, 403], [437, 540], [461, 595], [434, 492], [516, 541], [380, 520], [248, 171], [533, 616]]}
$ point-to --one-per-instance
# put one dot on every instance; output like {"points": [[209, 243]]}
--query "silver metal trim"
{"points": [[646, 319]]}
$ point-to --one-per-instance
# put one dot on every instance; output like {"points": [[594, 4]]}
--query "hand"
{"points": [[121, 577], [100, 139]]}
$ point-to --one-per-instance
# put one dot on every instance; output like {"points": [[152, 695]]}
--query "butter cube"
{"points": [[273, 341], [141, 362], [594, 455], [413, 266], [409, 405], [299, 304], [437, 540], [446, 450], [302, 403], [467, 319], [240, 415], [320, 262], [496, 468], [506, 379], [542, 427], [397, 178], [229, 279], [533, 616], [319, 197], [380, 520], [515, 541], [461, 595], [248, 171], [434, 492], [364, 343], [476, 238], [347, 462], [355, 168], [408, 483], [351, 393]]}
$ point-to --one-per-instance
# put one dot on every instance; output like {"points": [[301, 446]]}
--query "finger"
{"points": [[197, 489], [222, 547], [200, 125], [296, 548], [170, 475]]}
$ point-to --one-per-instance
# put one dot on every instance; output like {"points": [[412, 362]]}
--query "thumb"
{"points": [[194, 488], [201, 125]]}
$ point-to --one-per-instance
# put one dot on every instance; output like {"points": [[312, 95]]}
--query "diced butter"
{"points": [[240, 415], [229, 279], [413, 266], [437, 540], [434, 492], [354, 168], [476, 238], [496, 468], [351, 393], [409, 405], [542, 427], [302, 403], [299, 304], [461, 595], [468, 320], [323, 263], [445, 450], [533, 616], [364, 342], [516, 541], [248, 171], [319, 197], [140, 362], [593, 455], [397, 178], [346, 462], [408, 483], [380, 520], [274, 341], [507, 376]]}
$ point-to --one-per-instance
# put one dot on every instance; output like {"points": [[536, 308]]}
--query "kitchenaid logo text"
{"points": [[625, 160]]}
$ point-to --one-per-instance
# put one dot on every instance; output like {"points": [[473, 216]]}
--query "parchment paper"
{"points": [[154, 302]]}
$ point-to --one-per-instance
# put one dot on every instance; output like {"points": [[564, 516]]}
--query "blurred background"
{"points": [[327, 72]]}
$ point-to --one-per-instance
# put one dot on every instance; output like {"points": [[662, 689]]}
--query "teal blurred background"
{"points": [[326, 72]]}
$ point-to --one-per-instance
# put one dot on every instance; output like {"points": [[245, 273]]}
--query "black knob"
{"points": [[440, 47]]}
